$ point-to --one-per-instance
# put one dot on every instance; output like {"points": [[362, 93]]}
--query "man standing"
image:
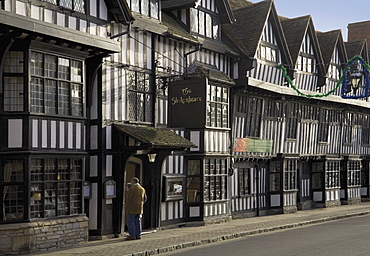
{"points": [[136, 197]]}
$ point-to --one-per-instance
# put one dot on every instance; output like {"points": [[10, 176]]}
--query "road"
{"points": [[340, 238]]}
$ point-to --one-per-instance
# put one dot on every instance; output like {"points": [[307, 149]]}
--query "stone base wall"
{"points": [[38, 236]]}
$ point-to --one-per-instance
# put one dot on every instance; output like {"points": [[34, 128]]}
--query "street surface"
{"points": [[339, 238]]}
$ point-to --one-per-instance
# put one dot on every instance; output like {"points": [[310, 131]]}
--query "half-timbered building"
{"points": [[49, 54], [222, 109], [297, 143]]}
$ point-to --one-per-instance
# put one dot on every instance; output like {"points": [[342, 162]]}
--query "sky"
{"points": [[327, 15]]}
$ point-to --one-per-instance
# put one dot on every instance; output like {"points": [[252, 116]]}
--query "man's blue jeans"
{"points": [[134, 225]]}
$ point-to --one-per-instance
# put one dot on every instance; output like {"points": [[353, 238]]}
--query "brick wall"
{"points": [[359, 31], [21, 238]]}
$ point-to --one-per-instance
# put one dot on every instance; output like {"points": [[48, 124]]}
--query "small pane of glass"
{"points": [[51, 97], [37, 62], [14, 62], [51, 66], [66, 3], [193, 189], [193, 167], [145, 7], [154, 9], [37, 95], [79, 6], [13, 94], [13, 202], [63, 68], [63, 98], [50, 200], [76, 92], [76, 71]]}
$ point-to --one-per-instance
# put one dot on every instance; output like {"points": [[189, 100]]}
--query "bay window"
{"points": [[217, 106], [56, 85], [56, 187]]}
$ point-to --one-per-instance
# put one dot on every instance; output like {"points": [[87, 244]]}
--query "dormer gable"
{"points": [[357, 48], [303, 44], [333, 52]]}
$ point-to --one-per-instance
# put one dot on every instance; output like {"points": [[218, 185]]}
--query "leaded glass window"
{"points": [[140, 96], [56, 85], [13, 191], [76, 5], [146, 7], [215, 179], [13, 87], [217, 106], [56, 187]]}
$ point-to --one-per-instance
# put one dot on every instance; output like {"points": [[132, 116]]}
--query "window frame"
{"points": [[58, 177], [143, 113], [65, 78], [217, 106], [292, 120], [14, 99], [332, 174], [20, 198], [253, 121], [244, 181], [201, 15], [139, 8], [290, 170], [215, 179], [71, 6]]}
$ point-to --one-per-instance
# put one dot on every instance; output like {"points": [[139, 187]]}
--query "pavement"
{"points": [[165, 241]]}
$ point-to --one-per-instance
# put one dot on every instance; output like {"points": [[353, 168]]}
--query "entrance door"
{"points": [[134, 169], [304, 198]]}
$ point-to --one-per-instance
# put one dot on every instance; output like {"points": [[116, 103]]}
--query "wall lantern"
{"points": [[152, 157], [356, 82], [356, 78]]}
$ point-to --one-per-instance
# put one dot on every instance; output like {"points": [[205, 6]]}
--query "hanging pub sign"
{"points": [[187, 103], [355, 84]]}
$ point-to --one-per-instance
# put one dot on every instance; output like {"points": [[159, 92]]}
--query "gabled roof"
{"points": [[236, 4], [223, 6], [357, 48], [328, 42], [119, 11], [295, 31], [247, 30], [251, 19]]}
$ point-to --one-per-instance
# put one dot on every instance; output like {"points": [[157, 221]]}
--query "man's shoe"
{"points": [[130, 238], [138, 237]]}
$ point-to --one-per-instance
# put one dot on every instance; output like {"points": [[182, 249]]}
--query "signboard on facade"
{"points": [[252, 145], [187, 103]]}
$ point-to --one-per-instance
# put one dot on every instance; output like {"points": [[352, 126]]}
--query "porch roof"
{"points": [[155, 137]]}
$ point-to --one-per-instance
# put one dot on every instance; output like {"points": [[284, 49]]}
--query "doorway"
{"points": [[134, 169]]}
